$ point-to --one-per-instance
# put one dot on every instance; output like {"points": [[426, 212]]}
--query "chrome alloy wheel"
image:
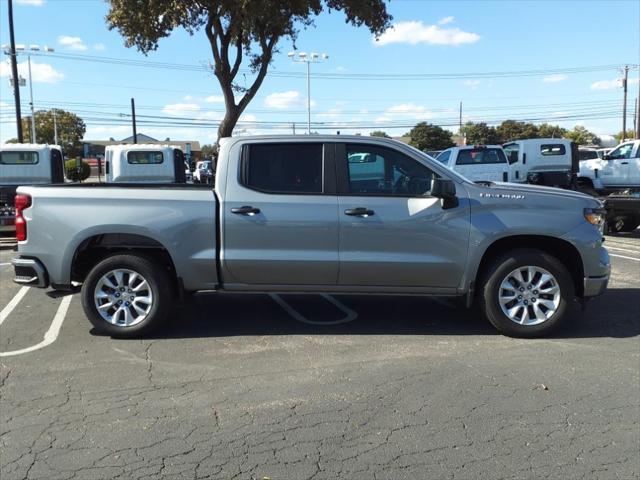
{"points": [[529, 295], [123, 297]]}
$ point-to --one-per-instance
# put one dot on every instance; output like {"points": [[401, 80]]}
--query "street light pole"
{"points": [[33, 113], [312, 58], [14, 73]]}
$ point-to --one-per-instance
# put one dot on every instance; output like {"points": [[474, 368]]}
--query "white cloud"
{"points": [[611, 84], [31, 3], [445, 20], [180, 109], [405, 111], [472, 84], [42, 72], [415, 32], [214, 99], [283, 100], [72, 43], [558, 77], [99, 47]]}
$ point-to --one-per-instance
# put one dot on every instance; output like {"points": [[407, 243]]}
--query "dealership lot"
{"points": [[295, 387]]}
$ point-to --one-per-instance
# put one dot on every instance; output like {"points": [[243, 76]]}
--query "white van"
{"points": [[144, 163], [543, 161], [478, 162]]}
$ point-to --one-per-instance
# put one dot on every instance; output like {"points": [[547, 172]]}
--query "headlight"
{"points": [[595, 216]]}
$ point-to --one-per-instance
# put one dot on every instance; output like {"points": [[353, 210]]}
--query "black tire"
{"points": [[623, 224], [500, 268], [159, 284]]}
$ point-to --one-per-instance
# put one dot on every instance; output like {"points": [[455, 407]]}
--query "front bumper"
{"points": [[594, 286], [29, 271]]}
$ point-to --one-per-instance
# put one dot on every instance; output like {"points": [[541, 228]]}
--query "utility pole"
{"points": [[14, 73], [293, 126], [635, 120], [33, 113], [638, 110], [460, 130], [55, 128], [133, 120], [624, 105]]}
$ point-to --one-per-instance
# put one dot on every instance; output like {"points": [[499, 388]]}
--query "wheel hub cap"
{"points": [[529, 295], [116, 286]]}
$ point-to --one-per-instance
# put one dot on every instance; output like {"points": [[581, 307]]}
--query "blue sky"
{"points": [[429, 37]]}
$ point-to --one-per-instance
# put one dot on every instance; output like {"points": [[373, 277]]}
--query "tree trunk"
{"points": [[225, 129]]}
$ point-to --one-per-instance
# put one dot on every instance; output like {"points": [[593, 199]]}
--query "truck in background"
{"points": [[552, 162], [616, 178], [145, 163], [478, 162], [25, 164]]}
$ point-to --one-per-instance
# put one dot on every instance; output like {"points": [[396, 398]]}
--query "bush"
{"points": [[74, 174]]}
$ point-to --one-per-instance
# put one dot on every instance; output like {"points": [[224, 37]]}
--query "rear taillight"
{"points": [[21, 202]]}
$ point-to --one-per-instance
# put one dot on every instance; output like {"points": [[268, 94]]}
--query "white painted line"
{"points": [[5, 264], [622, 256], [12, 304], [350, 314], [626, 250], [52, 333]]}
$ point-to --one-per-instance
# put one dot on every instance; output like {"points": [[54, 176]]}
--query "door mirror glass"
{"points": [[607, 157]]}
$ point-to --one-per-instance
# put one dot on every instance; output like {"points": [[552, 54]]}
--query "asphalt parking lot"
{"points": [[301, 387]]}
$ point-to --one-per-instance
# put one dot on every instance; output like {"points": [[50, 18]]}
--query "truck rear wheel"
{"points": [[126, 295], [526, 293], [623, 224]]}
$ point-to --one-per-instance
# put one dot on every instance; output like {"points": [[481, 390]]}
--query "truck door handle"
{"points": [[624, 163], [245, 210], [359, 212]]}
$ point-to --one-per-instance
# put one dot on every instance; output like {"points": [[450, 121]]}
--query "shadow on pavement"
{"points": [[612, 315]]}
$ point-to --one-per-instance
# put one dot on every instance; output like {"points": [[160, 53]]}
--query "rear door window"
{"points": [[19, 158], [480, 156], [552, 149], [283, 168], [444, 156], [145, 157]]}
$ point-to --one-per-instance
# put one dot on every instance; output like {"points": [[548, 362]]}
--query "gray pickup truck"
{"points": [[338, 214]]}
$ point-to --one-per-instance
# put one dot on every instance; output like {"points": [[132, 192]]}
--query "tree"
{"points": [[582, 136], [71, 130], [209, 151], [235, 29], [425, 136], [480, 133], [379, 133], [551, 131], [629, 134], [514, 130]]}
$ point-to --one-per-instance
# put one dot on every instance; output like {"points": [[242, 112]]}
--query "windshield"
{"points": [[587, 154]]}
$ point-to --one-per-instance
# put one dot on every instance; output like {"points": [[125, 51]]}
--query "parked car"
{"points": [[142, 163], [188, 176], [478, 162], [203, 172], [25, 164], [616, 177], [340, 214], [543, 161]]}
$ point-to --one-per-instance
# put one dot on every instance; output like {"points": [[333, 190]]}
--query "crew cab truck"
{"points": [[478, 162], [552, 162], [616, 177], [25, 164], [145, 163], [338, 214]]}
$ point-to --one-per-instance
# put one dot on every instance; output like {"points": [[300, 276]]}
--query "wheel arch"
{"points": [[561, 249]]}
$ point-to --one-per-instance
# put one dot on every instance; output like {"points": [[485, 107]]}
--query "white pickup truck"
{"points": [[616, 176], [478, 162], [145, 163]]}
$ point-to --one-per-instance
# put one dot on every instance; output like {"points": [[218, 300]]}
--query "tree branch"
{"points": [[238, 61]]}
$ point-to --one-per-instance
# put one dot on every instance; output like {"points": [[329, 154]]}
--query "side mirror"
{"points": [[607, 157], [443, 188]]}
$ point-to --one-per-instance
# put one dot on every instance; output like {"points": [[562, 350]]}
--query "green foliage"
{"points": [[551, 131], [236, 29], [209, 151], [480, 133], [629, 134], [582, 136], [71, 129], [513, 130], [75, 174], [379, 133], [425, 136]]}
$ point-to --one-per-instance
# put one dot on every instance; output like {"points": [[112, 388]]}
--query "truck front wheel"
{"points": [[126, 295], [526, 293]]}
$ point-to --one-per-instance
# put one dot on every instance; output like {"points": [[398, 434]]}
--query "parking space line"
{"points": [[12, 304], [5, 264], [52, 333], [350, 315], [626, 250], [622, 256]]}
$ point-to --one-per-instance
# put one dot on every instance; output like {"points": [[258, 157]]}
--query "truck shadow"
{"points": [[221, 315]]}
